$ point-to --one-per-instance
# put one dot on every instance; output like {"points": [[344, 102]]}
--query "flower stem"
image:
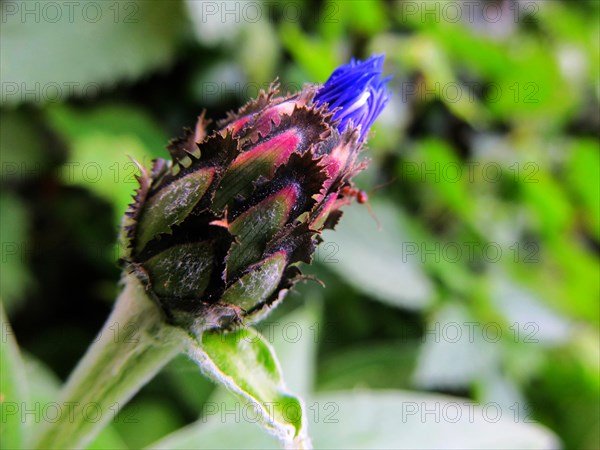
{"points": [[134, 344]]}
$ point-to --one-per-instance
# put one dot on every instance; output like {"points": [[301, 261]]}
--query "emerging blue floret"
{"points": [[358, 89]]}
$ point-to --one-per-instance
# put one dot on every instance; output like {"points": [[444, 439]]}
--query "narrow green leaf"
{"points": [[13, 389], [245, 363]]}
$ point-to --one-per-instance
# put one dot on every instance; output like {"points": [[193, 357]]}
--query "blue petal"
{"points": [[359, 93]]}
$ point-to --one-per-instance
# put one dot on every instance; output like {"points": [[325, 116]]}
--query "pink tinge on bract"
{"points": [[272, 115], [340, 161], [329, 205], [278, 148], [262, 120], [239, 124]]}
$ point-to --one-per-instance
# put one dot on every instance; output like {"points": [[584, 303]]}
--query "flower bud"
{"points": [[216, 233]]}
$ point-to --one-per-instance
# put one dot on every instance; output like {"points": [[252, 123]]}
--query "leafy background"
{"points": [[509, 100]]}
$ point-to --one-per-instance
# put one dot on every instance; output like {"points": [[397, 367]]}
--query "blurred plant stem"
{"points": [[134, 344]]}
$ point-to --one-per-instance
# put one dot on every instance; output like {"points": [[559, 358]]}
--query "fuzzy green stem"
{"points": [[134, 344]]}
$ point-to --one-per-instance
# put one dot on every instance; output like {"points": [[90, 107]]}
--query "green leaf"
{"points": [[428, 56], [317, 58], [23, 150], [548, 205], [397, 419], [366, 16], [258, 35], [13, 388], [16, 278], [369, 366], [44, 387], [191, 391], [382, 262], [455, 351], [531, 320], [527, 82], [245, 363], [295, 338], [80, 48], [435, 159], [102, 141], [214, 433], [583, 175], [380, 419], [145, 420]]}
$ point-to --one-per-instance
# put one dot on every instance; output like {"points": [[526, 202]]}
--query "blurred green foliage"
{"points": [[484, 176]]}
